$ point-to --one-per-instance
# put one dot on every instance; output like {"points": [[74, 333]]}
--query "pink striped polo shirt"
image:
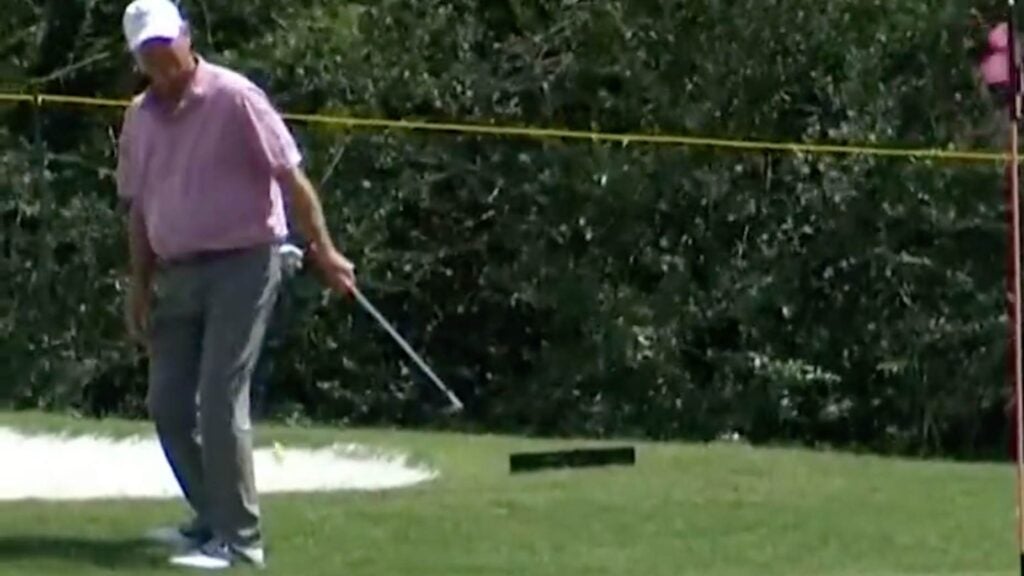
{"points": [[204, 175]]}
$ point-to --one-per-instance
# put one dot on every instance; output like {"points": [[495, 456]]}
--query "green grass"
{"points": [[717, 510]]}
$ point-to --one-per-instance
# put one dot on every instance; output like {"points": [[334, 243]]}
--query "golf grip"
{"points": [[456, 403]]}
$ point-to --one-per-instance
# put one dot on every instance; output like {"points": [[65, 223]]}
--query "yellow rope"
{"points": [[493, 130]]}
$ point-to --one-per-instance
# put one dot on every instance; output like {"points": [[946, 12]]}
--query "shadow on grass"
{"points": [[104, 553]]}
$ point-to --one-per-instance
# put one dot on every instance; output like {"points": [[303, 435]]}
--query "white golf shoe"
{"points": [[219, 555]]}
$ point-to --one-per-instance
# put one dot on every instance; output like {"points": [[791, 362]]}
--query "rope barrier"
{"points": [[554, 133]]}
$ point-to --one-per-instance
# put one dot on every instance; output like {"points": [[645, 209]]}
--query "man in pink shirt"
{"points": [[203, 161], [995, 67], [995, 63]]}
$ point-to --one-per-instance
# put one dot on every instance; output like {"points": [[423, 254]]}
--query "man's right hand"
{"points": [[137, 312], [337, 271]]}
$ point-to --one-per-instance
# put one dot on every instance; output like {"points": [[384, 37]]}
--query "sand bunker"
{"points": [[63, 467]]}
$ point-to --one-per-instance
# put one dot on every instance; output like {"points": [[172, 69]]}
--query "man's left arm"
{"points": [[307, 210], [277, 148]]}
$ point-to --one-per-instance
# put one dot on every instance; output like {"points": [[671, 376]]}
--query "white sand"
{"points": [[52, 467]]}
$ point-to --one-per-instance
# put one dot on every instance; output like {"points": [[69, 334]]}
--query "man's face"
{"points": [[166, 62]]}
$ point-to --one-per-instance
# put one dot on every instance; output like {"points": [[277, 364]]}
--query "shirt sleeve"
{"points": [[266, 130]]}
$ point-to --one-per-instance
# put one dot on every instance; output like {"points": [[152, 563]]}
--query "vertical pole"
{"points": [[1015, 281], [42, 240], [37, 145], [38, 148]]}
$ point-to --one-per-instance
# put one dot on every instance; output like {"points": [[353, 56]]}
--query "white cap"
{"points": [[148, 19]]}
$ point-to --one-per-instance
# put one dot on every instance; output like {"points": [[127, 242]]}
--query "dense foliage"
{"points": [[565, 287]]}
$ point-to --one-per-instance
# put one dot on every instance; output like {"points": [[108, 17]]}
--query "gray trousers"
{"points": [[208, 322]]}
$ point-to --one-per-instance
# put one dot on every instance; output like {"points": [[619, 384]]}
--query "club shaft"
{"points": [[369, 307]]}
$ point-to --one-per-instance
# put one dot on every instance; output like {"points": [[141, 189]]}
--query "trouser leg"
{"points": [[175, 351], [242, 290]]}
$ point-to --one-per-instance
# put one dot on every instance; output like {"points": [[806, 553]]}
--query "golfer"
{"points": [[203, 162]]}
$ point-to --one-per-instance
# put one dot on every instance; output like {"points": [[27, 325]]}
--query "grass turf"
{"points": [[715, 510]]}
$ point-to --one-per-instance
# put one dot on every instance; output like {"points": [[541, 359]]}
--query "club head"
{"points": [[453, 409]]}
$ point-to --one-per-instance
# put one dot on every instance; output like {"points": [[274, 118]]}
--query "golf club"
{"points": [[456, 404]]}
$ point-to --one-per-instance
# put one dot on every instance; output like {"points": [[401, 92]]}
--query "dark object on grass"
{"points": [[578, 458]]}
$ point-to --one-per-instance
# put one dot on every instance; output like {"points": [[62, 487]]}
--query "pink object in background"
{"points": [[995, 65]]}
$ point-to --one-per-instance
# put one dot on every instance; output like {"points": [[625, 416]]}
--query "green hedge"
{"points": [[578, 287]]}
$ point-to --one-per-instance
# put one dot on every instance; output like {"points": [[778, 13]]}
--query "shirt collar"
{"points": [[197, 89]]}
